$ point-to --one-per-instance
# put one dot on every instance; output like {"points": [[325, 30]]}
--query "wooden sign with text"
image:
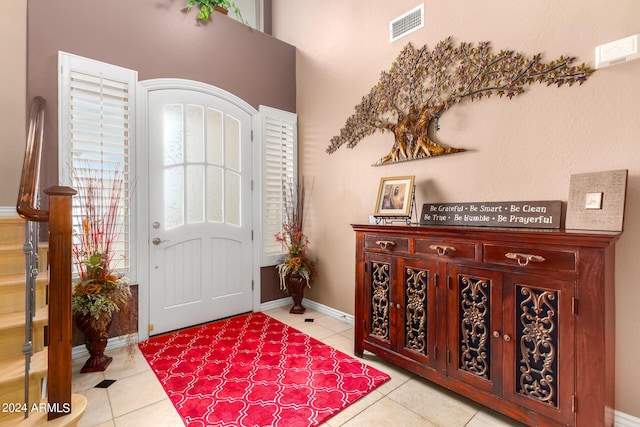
{"points": [[540, 214]]}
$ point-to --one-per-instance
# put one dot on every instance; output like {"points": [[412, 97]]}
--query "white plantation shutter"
{"points": [[96, 138], [280, 165]]}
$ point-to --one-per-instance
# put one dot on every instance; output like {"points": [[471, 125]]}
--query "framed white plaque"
{"points": [[596, 201]]}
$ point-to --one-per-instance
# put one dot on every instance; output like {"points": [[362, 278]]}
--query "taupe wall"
{"points": [[13, 45], [522, 149], [157, 39]]}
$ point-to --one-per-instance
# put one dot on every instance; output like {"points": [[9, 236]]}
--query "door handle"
{"points": [[384, 244], [524, 259], [157, 241], [441, 249]]}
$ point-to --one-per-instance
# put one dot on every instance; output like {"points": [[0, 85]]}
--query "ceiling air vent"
{"points": [[407, 23]]}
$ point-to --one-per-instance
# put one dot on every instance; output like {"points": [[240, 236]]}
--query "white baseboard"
{"points": [[626, 420], [324, 309], [8, 211], [270, 305]]}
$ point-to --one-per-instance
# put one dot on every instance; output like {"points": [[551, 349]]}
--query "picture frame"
{"points": [[395, 196], [597, 201]]}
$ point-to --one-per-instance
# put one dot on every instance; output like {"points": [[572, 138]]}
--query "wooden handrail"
{"points": [[59, 218], [27, 205]]}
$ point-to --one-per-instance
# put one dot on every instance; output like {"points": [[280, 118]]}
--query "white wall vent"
{"points": [[407, 23]]}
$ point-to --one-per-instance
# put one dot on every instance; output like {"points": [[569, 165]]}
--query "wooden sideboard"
{"points": [[519, 320]]}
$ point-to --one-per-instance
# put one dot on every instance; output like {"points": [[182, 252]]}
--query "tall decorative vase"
{"points": [[295, 287], [95, 339]]}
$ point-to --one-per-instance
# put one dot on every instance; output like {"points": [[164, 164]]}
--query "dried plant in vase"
{"points": [[297, 269], [99, 291]]}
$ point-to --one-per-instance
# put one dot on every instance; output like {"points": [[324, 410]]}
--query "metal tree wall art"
{"points": [[422, 85]]}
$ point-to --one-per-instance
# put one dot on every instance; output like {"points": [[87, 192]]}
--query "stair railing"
{"points": [[32, 270], [59, 222]]}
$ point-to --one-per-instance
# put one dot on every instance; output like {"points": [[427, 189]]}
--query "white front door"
{"points": [[200, 237]]}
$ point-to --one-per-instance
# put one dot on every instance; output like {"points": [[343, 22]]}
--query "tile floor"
{"points": [[137, 398]]}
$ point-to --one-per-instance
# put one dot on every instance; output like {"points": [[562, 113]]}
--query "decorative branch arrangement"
{"points": [[422, 85]]}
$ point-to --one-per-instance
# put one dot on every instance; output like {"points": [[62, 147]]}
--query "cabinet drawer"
{"points": [[386, 243], [530, 257], [451, 249]]}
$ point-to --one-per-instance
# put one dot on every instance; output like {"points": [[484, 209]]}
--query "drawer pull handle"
{"points": [[524, 259], [442, 250], [384, 244]]}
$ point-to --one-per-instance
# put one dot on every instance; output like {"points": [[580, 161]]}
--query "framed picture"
{"points": [[394, 196], [597, 200]]}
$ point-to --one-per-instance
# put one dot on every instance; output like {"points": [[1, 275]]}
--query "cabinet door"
{"points": [[416, 310], [539, 359], [474, 349], [379, 277]]}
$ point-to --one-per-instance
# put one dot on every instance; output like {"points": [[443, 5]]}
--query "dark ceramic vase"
{"points": [[95, 339], [295, 287]]}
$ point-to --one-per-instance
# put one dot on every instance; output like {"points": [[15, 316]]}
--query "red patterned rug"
{"points": [[253, 370]]}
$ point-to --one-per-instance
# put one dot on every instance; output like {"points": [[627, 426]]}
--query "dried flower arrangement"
{"points": [[100, 292], [295, 242]]}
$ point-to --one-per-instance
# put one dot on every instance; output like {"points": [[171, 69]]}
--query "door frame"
{"points": [[141, 192]]}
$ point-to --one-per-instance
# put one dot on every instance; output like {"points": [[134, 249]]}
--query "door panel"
{"points": [[200, 245], [475, 343], [540, 372], [379, 320], [418, 310]]}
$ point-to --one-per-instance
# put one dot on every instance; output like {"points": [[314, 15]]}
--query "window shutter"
{"points": [[280, 165], [97, 104]]}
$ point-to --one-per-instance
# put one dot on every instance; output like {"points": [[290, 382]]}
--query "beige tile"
{"points": [[282, 314], [135, 392], [314, 330], [331, 323], [98, 408], [124, 365], [81, 382], [387, 413], [341, 343], [161, 414], [349, 334], [398, 375], [438, 405], [354, 409], [488, 418]]}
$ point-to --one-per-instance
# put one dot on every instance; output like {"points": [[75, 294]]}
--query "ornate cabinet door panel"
{"points": [[539, 358], [378, 296], [416, 310], [474, 334]]}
